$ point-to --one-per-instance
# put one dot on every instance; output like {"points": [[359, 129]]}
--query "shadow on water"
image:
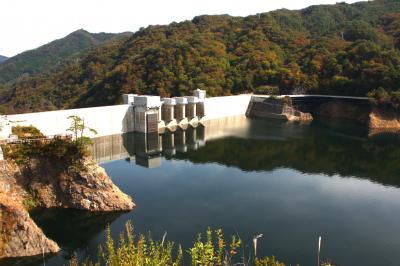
{"points": [[78, 226], [70, 229]]}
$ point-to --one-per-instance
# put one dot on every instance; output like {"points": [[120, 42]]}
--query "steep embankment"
{"points": [[43, 184], [19, 234], [328, 49]]}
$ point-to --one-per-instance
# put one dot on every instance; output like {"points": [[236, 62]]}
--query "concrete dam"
{"points": [[151, 114]]}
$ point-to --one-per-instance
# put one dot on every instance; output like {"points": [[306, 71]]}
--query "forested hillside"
{"points": [[3, 58], [47, 56], [338, 49]]}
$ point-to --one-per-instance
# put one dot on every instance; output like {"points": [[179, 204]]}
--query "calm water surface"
{"points": [[290, 182]]}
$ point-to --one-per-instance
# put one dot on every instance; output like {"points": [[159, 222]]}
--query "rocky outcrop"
{"points": [[276, 108], [93, 190], [19, 235], [384, 120], [45, 184], [295, 115], [89, 188]]}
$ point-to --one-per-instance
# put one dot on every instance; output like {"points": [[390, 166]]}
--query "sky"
{"points": [[28, 24]]}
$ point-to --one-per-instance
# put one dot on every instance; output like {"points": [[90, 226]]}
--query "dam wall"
{"points": [[226, 106], [106, 120], [117, 119]]}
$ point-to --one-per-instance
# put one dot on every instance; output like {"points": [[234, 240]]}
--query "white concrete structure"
{"points": [[180, 100], [201, 94], [147, 101], [192, 99], [146, 113], [117, 119], [5, 127], [225, 106], [169, 101], [128, 98], [107, 120]]}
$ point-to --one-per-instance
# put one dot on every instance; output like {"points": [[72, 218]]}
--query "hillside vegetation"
{"points": [[327, 49], [52, 54]]}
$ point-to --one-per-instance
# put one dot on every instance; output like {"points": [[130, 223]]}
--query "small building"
{"points": [[146, 113], [128, 98], [201, 96]]}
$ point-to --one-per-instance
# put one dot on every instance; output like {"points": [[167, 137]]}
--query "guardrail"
{"points": [[313, 96], [30, 140]]}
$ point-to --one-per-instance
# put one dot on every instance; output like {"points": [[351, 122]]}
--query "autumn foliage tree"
{"points": [[342, 49]]}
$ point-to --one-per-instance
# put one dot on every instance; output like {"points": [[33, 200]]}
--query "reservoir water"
{"points": [[290, 182]]}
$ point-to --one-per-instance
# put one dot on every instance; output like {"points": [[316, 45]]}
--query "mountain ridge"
{"points": [[3, 58], [47, 56]]}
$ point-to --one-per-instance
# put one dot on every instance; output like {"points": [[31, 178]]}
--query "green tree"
{"points": [[78, 128]]}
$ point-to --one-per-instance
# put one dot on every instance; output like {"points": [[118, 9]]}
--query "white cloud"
{"points": [[27, 24]]}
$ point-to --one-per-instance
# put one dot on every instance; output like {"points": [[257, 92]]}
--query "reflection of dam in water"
{"points": [[147, 149]]}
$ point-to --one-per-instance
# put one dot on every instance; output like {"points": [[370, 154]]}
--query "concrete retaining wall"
{"points": [[107, 120]]}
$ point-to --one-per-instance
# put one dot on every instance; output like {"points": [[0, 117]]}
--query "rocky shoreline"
{"points": [[44, 185], [378, 119]]}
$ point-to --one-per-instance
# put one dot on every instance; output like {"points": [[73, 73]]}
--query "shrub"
{"points": [[144, 251], [27, 132], [34, 145], [270, 90], [384, 98]]}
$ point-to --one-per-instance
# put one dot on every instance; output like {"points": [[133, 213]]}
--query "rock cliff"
{"points": [[381, 120], [43, 184], [276, 108]]}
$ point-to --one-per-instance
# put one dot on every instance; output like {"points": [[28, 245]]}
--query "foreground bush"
{"points": [[144, 251]]}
